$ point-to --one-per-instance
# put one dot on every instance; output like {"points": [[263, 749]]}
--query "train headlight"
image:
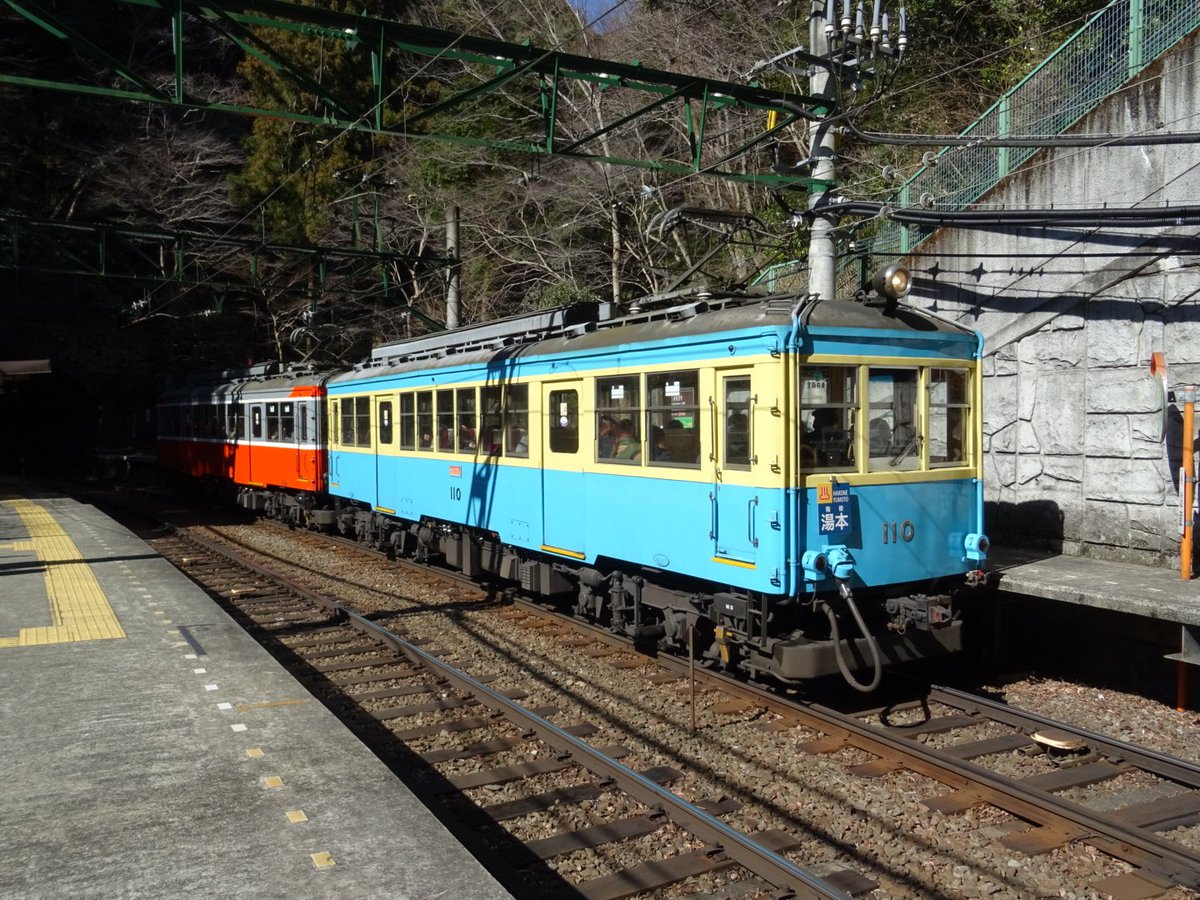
{"points": [[816, 565], [977, 547], [892, 282]]}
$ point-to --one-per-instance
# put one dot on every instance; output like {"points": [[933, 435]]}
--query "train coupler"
{"points": [[919, 611]]}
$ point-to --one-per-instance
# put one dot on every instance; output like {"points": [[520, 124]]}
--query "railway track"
{"points": [[941, 747], [386, 680], [950, 737]]}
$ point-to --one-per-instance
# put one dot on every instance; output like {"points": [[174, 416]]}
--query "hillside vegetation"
{"points": [[535, 231]]}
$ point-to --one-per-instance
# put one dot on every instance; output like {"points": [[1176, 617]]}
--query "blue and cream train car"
{"points": [[798, 480]]}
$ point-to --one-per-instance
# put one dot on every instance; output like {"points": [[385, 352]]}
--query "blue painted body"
{"points": [[750, 537], [941, 514]]}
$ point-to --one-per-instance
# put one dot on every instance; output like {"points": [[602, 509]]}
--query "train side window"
{"points": [[408, 422], [516, 420], [287, 421], [828, 407], [949, 416], [362, 421], [385, 423], [737, 423], [256, 421], [425, 420], [673, 418], [491, 433], [347, 422], [445, 421], [302, 422], [273, 421], [237, 421], [335, 436], [618, 415], [465, 409], [562, 420], [893, 430]]}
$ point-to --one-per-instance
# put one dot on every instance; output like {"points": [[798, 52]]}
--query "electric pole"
{"points": [[822, 142]]}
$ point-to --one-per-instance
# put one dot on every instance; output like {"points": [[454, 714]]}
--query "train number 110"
{"points": [[906, 530]]}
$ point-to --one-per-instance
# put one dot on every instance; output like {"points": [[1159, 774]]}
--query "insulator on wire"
{"points": [[830, 26], [902, 39], [876, 9], [886, 38], [847, 21], [860, 30]]}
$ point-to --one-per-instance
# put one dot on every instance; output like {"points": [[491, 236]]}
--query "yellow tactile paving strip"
{"points": [[79, 609]]}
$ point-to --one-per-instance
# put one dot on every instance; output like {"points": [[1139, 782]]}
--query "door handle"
{"points": [[751, 509]]}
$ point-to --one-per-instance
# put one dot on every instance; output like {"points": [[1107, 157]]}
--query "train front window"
{"points": [[893, 424], [949, 412], [828, 405]]}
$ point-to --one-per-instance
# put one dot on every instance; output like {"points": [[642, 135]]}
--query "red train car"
{"points": [[260, 429]]}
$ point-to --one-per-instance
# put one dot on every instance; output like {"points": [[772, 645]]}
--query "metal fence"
{"points": [[1116, 44]]}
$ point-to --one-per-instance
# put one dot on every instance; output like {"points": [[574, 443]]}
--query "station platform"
{"points": [[152, 748], [1152, 593]]}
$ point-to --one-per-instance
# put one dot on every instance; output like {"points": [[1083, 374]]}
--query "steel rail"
{"points": [[765, 863], [1139, 847], [1163, 765]]}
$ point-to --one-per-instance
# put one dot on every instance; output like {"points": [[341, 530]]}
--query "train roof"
{"points": [[592, 326], [231, 383]]}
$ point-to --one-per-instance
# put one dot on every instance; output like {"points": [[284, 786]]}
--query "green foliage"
{"points": [[560, 293]]}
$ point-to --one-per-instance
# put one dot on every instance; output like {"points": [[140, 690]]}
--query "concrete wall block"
{"points": [[1028, 441], [999, 402], [1153, 528], [1123, 390], [1068, 322], [1106, 523], [1181, 344], [1002, 441], [1029, 467], [1110, 340], [1066, 472], [1053, 350], [1060, 428], [1108, 435], [999, 472], [1148, 435], [1125, 481]]}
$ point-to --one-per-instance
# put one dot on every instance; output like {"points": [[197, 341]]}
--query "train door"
{"points": [[385, 462], [563, 512], [254, 463], [735, 497]]}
